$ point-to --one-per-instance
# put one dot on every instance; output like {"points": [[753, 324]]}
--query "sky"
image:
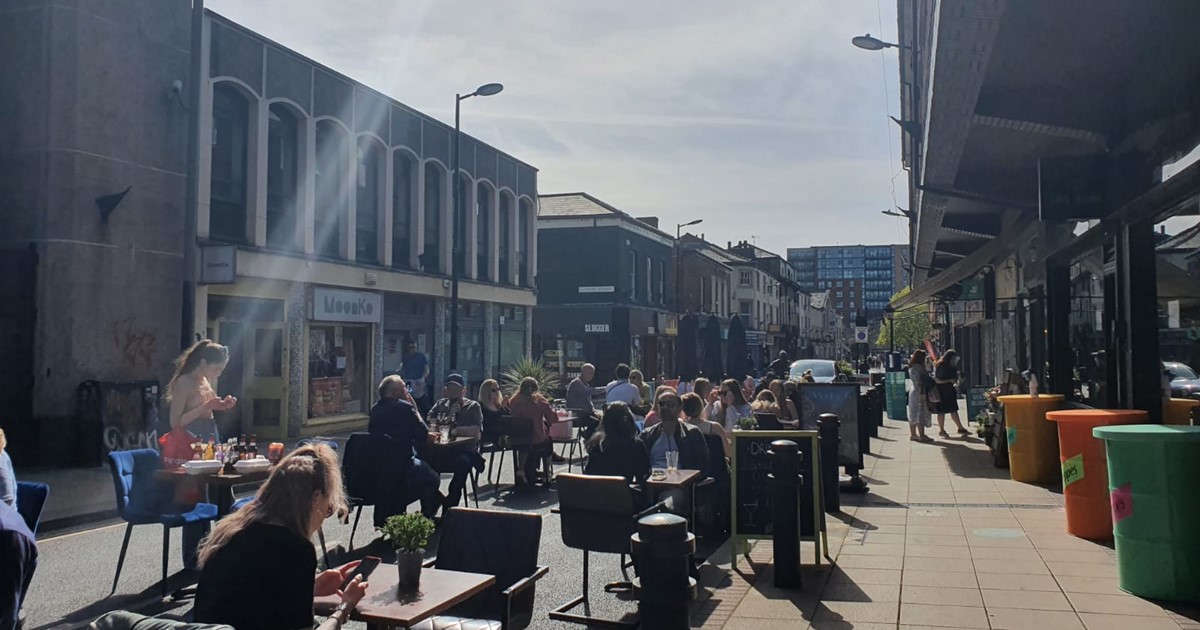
{"points": [[757, 116]]}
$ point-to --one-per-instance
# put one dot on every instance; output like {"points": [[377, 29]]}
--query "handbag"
{"points": [[932, 395]]}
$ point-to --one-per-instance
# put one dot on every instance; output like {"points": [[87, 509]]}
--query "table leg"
{"points": [[223, 498]]}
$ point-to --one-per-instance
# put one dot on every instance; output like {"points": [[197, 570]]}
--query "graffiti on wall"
{"points": [[136, 346]]}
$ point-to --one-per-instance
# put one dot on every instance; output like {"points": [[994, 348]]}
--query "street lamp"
{"points": [[487, 89], [866, 42], [898, 212], [679, 257]]}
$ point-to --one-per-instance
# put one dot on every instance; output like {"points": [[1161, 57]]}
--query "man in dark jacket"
{"points": [[18, 559], [779, 367], [670, 434], [396, 416]]}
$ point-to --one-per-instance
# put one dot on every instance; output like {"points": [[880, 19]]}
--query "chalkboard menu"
{"points": [[835, 398], [976, 402], [752, 486]]}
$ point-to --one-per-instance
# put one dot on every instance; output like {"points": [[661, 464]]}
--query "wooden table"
{"points": [[218, 485], [681, 478], [387, 605], [458, 441]]}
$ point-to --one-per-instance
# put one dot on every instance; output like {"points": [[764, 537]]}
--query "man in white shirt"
{"points": [[621, 390]]}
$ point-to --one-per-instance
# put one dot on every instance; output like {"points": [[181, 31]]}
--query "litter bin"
{"points": [[1178, 410], [1032, 442], [1152, 472], [1084, 469]]}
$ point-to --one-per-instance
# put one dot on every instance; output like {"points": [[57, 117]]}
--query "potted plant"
{"points": [[408, 535], [748, 423]]}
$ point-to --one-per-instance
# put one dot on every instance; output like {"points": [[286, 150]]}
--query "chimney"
{"points": [[651, 221], [728, 244]]}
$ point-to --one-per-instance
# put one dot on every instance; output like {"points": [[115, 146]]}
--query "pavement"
{"points": [[942, 540]]}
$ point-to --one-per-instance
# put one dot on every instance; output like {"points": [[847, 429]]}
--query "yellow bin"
{"points": [[1178, 410], [1032, 440]]}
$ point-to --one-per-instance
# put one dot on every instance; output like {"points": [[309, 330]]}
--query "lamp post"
{"points": [[488, 89], [679, 257], [866, 42]]}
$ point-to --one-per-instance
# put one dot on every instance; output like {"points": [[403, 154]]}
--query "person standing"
{"points": [[190, 392], [945, 374], [414, 369], [918, 398]]}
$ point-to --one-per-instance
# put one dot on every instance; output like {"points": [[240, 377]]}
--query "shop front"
{"points": [[340, 339], [406, 318]]}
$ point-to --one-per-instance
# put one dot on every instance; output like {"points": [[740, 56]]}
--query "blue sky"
{"points": [[757, 116]]}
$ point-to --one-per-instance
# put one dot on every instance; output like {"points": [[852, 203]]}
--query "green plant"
{"points": [[747, 424], [548, 383], [844, 367], [911, 325], [407, 532]]}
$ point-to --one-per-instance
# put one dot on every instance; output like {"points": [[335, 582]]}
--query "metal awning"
{"points": [[986, 255]]}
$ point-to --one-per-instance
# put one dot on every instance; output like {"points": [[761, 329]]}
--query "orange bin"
{"points": [[1085, 467], [1032, 443], [1178, 410]]}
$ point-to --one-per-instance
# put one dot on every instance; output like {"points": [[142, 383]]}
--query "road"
{"points": [[75, 572]]}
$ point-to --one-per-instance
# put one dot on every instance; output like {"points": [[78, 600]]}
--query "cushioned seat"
{"points": [[240, 503], [458, 623]]}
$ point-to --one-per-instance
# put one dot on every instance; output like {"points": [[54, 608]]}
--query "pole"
{"points": [[891, 334], [454, 270], [191, 202]]}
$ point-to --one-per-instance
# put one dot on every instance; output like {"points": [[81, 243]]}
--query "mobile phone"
{"points": [[365, 567]]}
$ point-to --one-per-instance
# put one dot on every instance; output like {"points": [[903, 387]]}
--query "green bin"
{"points": [[1152, 474], [897, 395]]}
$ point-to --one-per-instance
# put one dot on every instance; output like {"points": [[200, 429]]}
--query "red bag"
{"points": [[176, 448]]}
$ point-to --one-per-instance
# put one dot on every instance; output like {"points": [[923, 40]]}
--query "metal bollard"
{"points": [[785, 510], [830, 479], [663, 548]]}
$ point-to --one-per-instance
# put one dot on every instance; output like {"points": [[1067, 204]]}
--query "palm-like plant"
{"points": [[548, 382]]}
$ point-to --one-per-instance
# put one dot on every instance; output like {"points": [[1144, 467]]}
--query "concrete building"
{"points": [[706, 278], [862, 278], [606, 283], [782, 333], [324, 224]]}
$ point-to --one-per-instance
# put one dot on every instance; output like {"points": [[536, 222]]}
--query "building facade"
{"points": [[323, 231], [606, 284], [783, 333], [861, 278]]}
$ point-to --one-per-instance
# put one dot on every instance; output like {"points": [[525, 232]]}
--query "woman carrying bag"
{"points": [[918, 398], [945, 374]]}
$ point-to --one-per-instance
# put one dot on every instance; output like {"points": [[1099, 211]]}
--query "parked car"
{"points": [[824, 371], [1184, 381]]}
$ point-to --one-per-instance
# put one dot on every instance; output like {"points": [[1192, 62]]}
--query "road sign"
{"points": [[860, 334]]}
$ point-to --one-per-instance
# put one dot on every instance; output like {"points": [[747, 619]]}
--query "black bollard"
{"points": [[785, 511], [663, 548], [867, 416], [830, 479]]}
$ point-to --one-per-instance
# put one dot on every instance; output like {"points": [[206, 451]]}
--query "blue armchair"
{"points": [[142, 500], [31, 500]]}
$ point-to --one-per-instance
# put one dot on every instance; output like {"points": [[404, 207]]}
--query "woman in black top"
{"points": [[259, 567], [945, 374], [617, 450], [491, 403]]}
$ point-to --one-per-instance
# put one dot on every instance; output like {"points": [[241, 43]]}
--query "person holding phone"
{"points": [[259, 566]]}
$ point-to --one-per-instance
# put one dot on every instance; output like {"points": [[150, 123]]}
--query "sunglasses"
{"points": [[726, 392], [669, 403]]}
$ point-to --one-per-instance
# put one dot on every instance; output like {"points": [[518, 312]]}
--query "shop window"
{"points": [[282, 164], [483, 232], [227, 202], [339, 359], [403, 185], [332, 203], [370, 193], [431, 256]]}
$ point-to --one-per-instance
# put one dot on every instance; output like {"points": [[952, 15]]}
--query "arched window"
{"points": [[331, 191], [431, 258], [369, 189], [483, 236], [227, 202], [282, 155], [523, 232], [460, 223], [506, 227], [403, 170]]}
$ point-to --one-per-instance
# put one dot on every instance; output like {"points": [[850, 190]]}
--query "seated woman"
{"points": [[652, 418], [693, 414], [259, 567], [787, 409], [529, 405], [616, 449], [493, 406], [765, 403]]}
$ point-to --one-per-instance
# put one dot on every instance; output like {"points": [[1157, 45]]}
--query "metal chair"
{"points": [[140, 501], [31, 501], [516, 434], [598, 515], [502, 543]]}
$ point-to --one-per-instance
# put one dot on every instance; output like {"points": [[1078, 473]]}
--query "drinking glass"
{"points": [[444, 430], [672, 461]]}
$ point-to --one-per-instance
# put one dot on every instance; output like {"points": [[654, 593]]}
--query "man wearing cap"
{"points": [[467, 418]]}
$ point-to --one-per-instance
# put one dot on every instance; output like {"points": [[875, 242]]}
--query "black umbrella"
{"points": [[714, 368], [738, 367], [685, 348]]}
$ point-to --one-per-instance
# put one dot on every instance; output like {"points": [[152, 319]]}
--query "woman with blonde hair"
{"points": [[787, 409], [259, 567], [492, 404], [528, 404], [190, 392]]}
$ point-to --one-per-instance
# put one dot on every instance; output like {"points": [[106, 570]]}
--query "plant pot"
{"points": [[408, 567]]}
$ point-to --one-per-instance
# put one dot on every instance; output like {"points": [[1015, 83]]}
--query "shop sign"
{"points": [[672, 327], [218, 264], [595, 328], [972, 290], [336, 305], [605, 289], [774, 329]]}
